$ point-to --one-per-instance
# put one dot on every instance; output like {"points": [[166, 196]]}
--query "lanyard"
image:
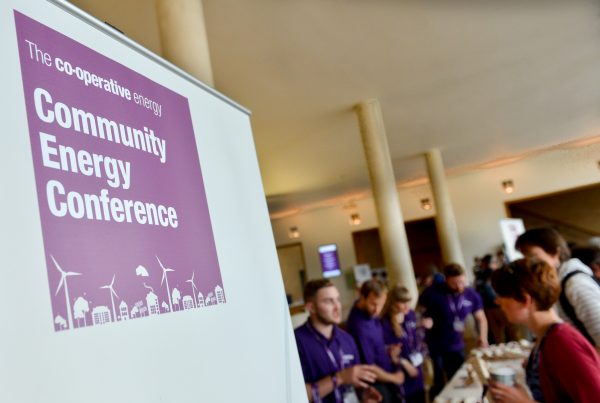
{"points": [[410, 328], [337, 365], [455, 308]]}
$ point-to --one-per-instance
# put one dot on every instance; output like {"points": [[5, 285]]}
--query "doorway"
{"points": [[575, 213], [293, 270], [423, 243]]}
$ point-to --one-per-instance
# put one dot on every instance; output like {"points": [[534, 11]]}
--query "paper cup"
{"points": [[503, 375]]}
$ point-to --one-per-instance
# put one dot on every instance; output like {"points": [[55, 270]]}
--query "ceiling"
{"points": [[484, 81]]}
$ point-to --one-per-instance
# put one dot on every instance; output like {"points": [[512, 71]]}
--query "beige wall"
{"points": [[477, 198], [136, 18]]}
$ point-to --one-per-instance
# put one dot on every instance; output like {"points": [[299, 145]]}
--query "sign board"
{"points": [[136, 241], [362, 273], [511, 228]]}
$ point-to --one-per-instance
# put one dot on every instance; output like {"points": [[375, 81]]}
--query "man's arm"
{"points": [[359, 376], [482, 327], [391, 377]]}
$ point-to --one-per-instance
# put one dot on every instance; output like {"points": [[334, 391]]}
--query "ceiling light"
{"points": [[293, 233], [355, 219], [426, 204], [508, 186]]}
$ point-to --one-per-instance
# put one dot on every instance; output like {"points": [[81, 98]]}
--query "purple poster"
{"points": [[125, 221]]}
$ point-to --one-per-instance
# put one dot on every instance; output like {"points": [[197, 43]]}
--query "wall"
{"points": [[136, 18], [477, 197]]}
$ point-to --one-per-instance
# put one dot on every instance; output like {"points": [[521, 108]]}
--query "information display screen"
{"points": [[330, 261]]}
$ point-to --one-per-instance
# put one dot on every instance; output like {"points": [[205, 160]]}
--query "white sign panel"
{"points": [[511, 228]]}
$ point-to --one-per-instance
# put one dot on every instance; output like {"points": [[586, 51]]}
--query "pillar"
{"points": [[444, 218], [183, 37], [391, 223]]}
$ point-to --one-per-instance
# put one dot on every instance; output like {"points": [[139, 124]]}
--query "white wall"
{"points": [[478, 200]]}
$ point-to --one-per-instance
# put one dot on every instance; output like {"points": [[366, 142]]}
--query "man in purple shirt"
{"points": [[449, 304], [364, 325], [328, 355]]}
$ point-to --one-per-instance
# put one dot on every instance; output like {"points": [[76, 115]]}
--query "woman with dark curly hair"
{"points": [[563, 365]]}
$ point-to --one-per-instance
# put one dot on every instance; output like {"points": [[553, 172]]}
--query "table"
{"points": [[456, 391]]}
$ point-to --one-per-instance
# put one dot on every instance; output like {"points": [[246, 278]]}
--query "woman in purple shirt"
{"points": [[404, 342]]}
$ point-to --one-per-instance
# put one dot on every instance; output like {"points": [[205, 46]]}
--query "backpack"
{"points": [[568, 308]]}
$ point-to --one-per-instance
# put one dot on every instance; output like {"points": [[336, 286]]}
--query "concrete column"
{"points": [[396, 252], [444, 218], [183, 37]]}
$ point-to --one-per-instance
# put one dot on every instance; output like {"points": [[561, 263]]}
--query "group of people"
{"points": [[379, 358]]}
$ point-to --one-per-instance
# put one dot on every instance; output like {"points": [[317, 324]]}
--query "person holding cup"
{"points": [[563, 365]]}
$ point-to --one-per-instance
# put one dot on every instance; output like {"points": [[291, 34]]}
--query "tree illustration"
{"points": [[80, 308], [176, 297], [61, 322]]}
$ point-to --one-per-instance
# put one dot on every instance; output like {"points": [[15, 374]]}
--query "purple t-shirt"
{"points": [[321, 357], [412, 343], [447, 309], [368, 334]]}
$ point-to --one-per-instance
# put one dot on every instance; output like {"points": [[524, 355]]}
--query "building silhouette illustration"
{"points": [[188, 302], [152, 303], [101, 315], [200, 300], [220, 295], [123, 311]]}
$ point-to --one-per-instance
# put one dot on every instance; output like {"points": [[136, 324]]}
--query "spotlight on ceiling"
{"points": [[293, 233], [508, 186]]}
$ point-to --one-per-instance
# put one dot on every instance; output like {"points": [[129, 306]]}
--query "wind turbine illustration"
{"points": [[194, 289], [63, 281], [112, 300], [166, 280]]}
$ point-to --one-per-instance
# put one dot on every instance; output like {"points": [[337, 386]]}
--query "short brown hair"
{"points": [[546, 238], [453, 270], [373, 286], [313, 286], [533, 277]]}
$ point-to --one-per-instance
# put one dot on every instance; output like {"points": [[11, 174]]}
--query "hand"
{"points": [[482, 342], [370, 395], [427, 323], [394, 352], [359, 376], [509, 394], [409, 368]]}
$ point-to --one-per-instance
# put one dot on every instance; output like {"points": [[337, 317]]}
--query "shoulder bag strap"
{"points": [[568, 308]]}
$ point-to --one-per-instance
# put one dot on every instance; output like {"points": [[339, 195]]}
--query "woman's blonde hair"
{"points": [[390, 310]]}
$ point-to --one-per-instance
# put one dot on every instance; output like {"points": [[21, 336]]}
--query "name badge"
{"points": [[416, 359], [459, 326], [347, 359], [350, 396]]}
